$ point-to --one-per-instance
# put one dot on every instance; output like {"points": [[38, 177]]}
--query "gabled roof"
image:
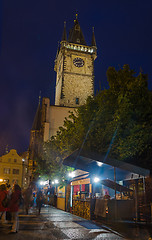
{"points": [[37, 119], [76, 35]]}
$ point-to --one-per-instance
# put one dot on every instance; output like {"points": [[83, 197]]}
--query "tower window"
{"points": [[77, 27], [62, 95], [77, 101]]}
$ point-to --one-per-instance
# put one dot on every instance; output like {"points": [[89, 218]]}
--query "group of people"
{"points": [[33, 199], [12, 199], [10, 202]]}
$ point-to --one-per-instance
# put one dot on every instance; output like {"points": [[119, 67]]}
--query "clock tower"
{"points": [[74, 65]]}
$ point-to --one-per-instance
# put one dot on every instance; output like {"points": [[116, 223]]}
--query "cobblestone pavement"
{"points": [[54, 224]]}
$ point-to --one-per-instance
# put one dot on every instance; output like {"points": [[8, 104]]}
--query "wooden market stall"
{"points": [[111, 197]]}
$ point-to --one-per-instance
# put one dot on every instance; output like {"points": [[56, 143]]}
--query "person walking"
{"points": [[14, 207], [28, 197], [39, 200], [3, 196]]}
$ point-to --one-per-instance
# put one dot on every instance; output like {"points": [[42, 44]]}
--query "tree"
{"points": [[123, 113], [117, 121]]}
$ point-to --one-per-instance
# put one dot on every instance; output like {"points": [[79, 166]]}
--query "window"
{"points": [[15, 181], [77, 101], [15, 171], [9, 160], [7, 170], [77, 27], [15, 160]]}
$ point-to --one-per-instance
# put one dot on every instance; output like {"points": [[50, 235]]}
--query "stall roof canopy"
{"points": [[111, 184], [89, 161]]}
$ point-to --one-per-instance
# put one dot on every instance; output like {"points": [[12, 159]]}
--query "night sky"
{"points": [[29, 35]]}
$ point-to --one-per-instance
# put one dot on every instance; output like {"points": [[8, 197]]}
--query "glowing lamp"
{"points": [[71, 174], [96, 179], [99, 164]]}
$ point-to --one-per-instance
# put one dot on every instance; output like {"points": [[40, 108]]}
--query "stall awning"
{"points": [[88, 161], [111, 184]]}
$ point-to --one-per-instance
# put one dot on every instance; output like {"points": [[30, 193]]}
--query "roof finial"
{"points": [[40, 97], [6, 149], [76, 15]]}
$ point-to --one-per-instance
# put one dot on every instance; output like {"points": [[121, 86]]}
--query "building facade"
{"points": [[14, 169]]}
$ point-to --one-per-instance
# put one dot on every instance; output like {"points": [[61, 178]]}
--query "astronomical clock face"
{"points": [[78, 62]]}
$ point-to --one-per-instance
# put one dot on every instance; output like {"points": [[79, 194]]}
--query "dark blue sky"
{"points": [[29, 35]]}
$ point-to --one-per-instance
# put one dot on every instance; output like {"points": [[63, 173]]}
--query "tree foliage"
{"points": [[121, 115]]}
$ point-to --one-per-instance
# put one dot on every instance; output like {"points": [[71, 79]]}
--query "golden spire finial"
{"points": [[76, 16]]}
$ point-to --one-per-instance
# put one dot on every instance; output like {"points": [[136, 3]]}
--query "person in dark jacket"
{"points": [[3, 195], [14, 207], [39, 200]]}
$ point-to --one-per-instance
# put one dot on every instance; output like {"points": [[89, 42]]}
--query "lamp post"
{"points": [[23, 161]]}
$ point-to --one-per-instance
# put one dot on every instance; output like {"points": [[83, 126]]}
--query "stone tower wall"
{"points": [[74, 82]]}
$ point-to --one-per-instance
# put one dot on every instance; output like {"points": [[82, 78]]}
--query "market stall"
{"points": [[108, 196]]}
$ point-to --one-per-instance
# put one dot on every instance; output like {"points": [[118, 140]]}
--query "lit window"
{"points": [[7, 171]]}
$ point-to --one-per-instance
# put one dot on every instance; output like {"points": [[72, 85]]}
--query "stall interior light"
{"points": [[56, 181], [99, 164], [1, 180], [72, 174], [96, 179], [52, 182]]}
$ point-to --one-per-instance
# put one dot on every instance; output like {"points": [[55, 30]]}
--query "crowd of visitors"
{"points": [[12, 199]]}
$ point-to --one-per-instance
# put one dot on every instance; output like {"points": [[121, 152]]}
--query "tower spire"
{"points": [[64, 36], [93, 42], [76, 35]]}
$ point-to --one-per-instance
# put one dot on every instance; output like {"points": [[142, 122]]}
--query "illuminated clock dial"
{"points": [[78, 62]]}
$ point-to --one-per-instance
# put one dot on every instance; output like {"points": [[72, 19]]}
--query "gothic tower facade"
{"points": [[74, 65]]}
